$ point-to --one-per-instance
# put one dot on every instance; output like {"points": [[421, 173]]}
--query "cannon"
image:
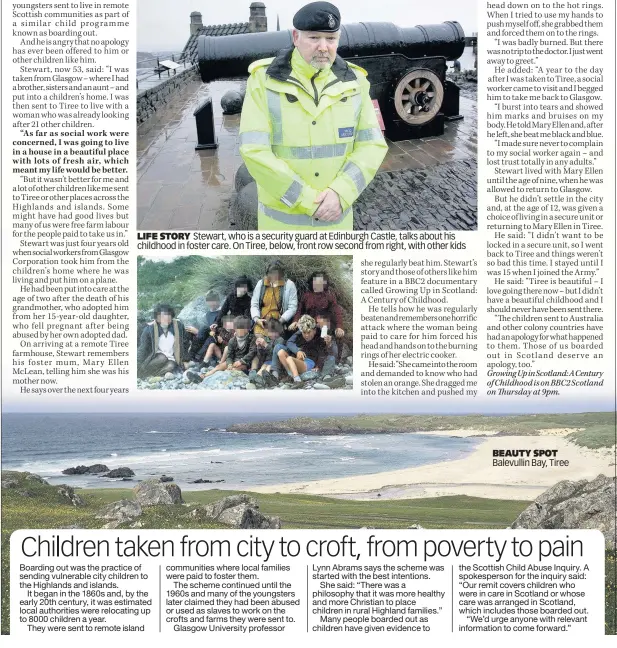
{"points": [[406, 67]]}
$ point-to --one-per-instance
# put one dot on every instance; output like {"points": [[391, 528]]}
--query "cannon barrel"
{"points": [[230, 56]]}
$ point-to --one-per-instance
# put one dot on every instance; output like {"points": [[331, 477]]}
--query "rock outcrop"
{"points": [[122, 472], [94, 469], [70, 495], [119, 512], [238, 511], [231, 379], [195, 312], [153, 492], [9, 481], [574, 505]]}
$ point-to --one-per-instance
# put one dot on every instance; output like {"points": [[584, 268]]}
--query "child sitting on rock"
{"points": [[238, 354], [217, 342], [324, 327], [204, 336], [265, 344], [304, 351]]}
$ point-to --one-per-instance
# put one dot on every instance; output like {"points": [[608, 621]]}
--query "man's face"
{"points": [[317, 48]]}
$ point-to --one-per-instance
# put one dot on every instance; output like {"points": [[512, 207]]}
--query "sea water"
{"points": [[190, 447]]}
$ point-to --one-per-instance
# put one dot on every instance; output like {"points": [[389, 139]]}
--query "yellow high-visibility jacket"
{"points": [[303, 131]]}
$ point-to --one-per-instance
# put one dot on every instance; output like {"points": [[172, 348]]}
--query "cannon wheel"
{"points": [[418, 96]]}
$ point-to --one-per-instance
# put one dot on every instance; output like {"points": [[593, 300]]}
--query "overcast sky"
{"points": [[318, 403], [164, 24]]}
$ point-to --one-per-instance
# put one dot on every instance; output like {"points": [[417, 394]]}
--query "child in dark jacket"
{"points": [[206, 334], [320, 298], [265, 344], [238, 301], [164, 344], [207, 346], [238, 353], [236, 304], [304, 351]]}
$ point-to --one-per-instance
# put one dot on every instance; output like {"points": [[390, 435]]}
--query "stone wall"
{"points": [[150, 100]]}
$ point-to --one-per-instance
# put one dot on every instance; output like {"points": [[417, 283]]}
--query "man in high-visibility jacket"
{"points": [[309, 134]]}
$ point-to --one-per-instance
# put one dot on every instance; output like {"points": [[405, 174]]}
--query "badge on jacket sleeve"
{"points": [[347, 131]]}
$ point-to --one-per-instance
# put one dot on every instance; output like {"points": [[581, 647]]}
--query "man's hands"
{"points": [[293, 326], [329, 210], [191, 329], [300, 355], [339, 332]]}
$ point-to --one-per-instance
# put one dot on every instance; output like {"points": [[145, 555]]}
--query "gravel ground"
{"points": [[238, 380]]}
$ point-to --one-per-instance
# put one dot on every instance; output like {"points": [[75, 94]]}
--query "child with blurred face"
{"points": [[320, 283], [240, 351], [163, 345], [324, 326], [164, 319], [304, 351], [238, 300], [205, 336], [213, 303], [320, 298], [262, 362], [216, 349], [275, 297]]}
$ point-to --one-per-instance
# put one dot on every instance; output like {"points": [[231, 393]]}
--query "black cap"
{"points": [[319, 17]]}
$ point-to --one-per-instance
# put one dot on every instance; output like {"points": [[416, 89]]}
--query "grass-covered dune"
{"points": [[590, 429]]}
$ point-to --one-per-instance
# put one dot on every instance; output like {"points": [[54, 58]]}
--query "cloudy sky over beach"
{"points": [[164, 25], [316, 403]]}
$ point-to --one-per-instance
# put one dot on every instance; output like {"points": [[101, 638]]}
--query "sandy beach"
{"points": [[474, 475]]}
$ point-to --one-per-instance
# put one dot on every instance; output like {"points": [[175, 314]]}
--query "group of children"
{"points": [[268, 334]]}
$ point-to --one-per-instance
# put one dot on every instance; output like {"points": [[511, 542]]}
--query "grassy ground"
{"points": [[314, 512], [598, 428], [30, 504], [594, 436]]}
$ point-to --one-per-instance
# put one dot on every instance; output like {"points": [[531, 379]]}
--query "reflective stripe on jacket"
{"points": [[303, 131]]}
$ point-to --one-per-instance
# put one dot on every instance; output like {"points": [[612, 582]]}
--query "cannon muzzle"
{"points": [[224, 57]]}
